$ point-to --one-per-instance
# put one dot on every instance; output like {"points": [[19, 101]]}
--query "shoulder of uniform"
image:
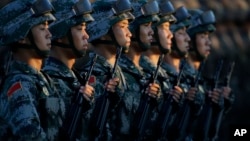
{"points": [[16, 82], [13, 88]]}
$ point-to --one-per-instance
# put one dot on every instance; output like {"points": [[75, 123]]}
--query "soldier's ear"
{"points": [[63, 40], [106, 37], [24, 41]]}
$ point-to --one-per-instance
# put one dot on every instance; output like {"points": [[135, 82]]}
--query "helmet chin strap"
{"points": [[113, 38], [143, 46], [113, 41], [198, 56], [176, 51], [158, 43], [41, 53], [71, 45]]}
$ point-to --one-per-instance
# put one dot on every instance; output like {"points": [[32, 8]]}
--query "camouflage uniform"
{"points": [[108, 14], [29, 102], [70, 13], [100, 73], [135, 80], [26, 89], [163, 80], [196, 106]]}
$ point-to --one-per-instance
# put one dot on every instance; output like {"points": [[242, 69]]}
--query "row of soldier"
{"points": [[138, 78]]}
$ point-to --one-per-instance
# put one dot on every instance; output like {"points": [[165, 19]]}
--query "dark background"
{"points": [[231, 41]]}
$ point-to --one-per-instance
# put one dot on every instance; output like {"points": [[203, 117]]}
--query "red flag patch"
{"points": [[92, 80], [14, 88]]}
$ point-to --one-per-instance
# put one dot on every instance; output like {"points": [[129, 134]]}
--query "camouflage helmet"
{"points": [[201, 22], [144, 12], [165, 15], [19, 16], [69, 13], [166, 12], [183, 19], [108, 13]]}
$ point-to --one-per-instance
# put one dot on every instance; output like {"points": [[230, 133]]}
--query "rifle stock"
{"points": [[102, 107], [79, 106], [145, 107]]}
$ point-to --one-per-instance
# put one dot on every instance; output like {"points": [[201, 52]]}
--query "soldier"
{"points": [[29, 104], [199, 31], [161, 45], [141, 37], [108, 35], [172, 61], [67, 45]]}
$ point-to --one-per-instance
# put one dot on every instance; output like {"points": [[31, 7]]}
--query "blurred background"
{"points": [[231, 42]]}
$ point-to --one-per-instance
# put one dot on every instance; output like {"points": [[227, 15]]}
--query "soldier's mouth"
{"points": [[49, 45]]}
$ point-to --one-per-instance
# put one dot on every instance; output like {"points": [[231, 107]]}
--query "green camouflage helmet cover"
{"points": [[69, 13], [107, 14], [183, 19], [201, 22], [19, 16]]}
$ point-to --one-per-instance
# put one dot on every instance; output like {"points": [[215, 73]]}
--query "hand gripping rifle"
{"points": [[220, 116], [209, 107], [166, 110], [102, 107], [181, 124], [145, 107], [79, 106]]}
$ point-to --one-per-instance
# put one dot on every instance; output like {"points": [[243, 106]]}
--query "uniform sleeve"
{"points": [[22, 114]]}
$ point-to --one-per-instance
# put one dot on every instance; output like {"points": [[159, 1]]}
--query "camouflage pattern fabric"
{"points": [[163, 80], [101, 71], [189, 75], [30, 108], [178, 112], [135, 80], [66, 83], [63, 78]]}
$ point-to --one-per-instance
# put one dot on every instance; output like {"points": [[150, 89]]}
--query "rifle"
{"points": [[167, 107], [226, 83], [79, 106], [145, 107], [102, 107], [184, 114], [209, 108]]}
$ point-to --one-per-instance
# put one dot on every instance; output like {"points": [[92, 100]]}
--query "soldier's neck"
{"points": [[62, 55], [194, 64], [153, 57], [28, 58], [174, 62], [108, 52], [134, 56]]}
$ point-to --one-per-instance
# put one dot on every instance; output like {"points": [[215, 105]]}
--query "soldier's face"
{"points": [[42, 36], [182, 39], [80, 37], [203, 43], [146, 33], [165, 35], [122, 33]]}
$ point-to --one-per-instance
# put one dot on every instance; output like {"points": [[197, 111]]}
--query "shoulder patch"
{"points": [[92, 80], [14, 88]]}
